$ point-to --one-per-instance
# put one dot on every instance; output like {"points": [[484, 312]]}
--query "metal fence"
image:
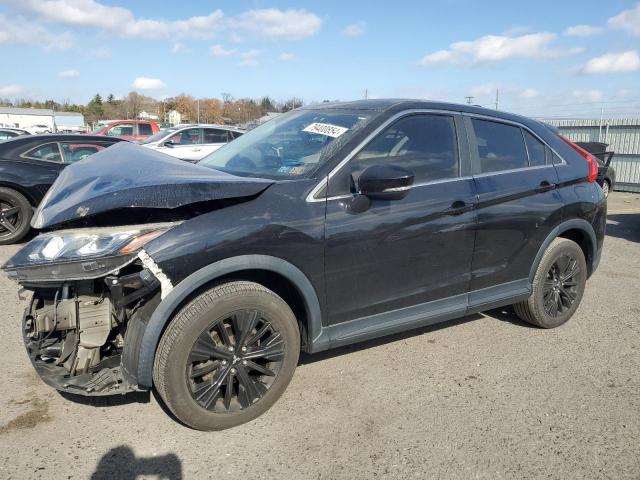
{"points": [[623, 137]]}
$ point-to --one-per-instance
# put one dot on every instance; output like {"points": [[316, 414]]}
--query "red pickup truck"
{"points": [[129, 129]]}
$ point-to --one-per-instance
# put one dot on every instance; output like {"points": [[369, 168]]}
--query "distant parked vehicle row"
{"points": [[7, 133], [128, 129], [192, 142], [29, 165]]}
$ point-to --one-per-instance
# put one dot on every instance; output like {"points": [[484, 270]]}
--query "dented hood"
{"points": [[127, 175]]}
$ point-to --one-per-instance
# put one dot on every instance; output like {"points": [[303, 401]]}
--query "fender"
{"points": [[573, 224], [182, 290]]}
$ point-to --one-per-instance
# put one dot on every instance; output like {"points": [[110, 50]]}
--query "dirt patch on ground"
{"points": [[37, 414]]}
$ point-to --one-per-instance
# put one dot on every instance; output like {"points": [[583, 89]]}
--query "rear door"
{"points": [[518, 206], [416, 251], [185, 145], [214, 138], [123, 130]]}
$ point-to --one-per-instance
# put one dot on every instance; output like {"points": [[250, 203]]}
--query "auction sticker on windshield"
{"points": [[325, 129]]}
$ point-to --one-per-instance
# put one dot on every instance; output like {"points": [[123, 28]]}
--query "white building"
{"points": [[31, 117], [147, 116], [174, 117]]}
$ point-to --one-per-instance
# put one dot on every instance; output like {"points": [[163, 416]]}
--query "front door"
{"points": [[384, 255]]}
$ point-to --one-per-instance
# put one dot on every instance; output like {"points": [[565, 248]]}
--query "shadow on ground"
{"points": [[121, 463], [625, 226], [108, 401]]}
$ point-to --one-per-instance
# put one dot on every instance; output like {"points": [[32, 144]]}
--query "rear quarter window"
{"points": [[500, 146]]}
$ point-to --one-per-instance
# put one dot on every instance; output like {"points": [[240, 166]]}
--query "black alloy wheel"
{"points": [[227, 356], [557, 287], [234, 361], [15, 216], [560, 287], [10, 218]]}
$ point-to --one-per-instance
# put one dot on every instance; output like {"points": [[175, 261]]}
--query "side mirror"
{"points": [[169, 144], [385, 182]]}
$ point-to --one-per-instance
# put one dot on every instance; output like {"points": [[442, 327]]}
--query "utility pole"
{"points": [[497, 99], [469, 99], [366, 93]]}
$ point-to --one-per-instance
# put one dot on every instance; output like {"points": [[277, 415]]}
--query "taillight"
{"points": [[591, 160]]}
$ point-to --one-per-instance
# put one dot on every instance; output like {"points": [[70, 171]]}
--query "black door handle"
{"points": [[545, 186], [458, 207]]}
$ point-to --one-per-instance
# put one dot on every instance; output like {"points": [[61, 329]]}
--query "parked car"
{"points": [[606, 173], [9, 133], [128, 129], [192, 142], [37, 129], [330, 225], [29, 165]]}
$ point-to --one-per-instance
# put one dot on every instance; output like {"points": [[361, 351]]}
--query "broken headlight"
{"points": [[80, 254]]}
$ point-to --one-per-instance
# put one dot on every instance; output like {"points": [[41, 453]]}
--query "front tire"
{"points": [[15, 216], [558, 286], [227, 356]]}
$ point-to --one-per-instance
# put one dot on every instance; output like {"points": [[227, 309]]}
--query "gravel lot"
{"points": [[486, 397]]}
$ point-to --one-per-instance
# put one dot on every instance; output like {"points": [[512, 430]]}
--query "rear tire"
{"points": [[606, 188], [558, 286], [15, 216], [227, 356]]}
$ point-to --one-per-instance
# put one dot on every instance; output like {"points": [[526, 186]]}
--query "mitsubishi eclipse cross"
{"points": [[329, 225]]}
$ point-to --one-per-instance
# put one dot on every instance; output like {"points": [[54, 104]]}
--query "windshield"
{"points": [[288, 146], [156, 137]]}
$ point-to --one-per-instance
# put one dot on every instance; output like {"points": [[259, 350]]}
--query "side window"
{"points": [[4, 135], [500, 146], [423, 144], [144, 129], [190, 136], [122, 130], [48, 151], [536, 149], [213, 135], [75, 151]]}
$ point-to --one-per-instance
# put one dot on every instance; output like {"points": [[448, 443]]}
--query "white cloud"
{"points": [[146, 83], [11, 90], [582, 31], [274, 23], [291, 24], [355, 29], [119, 20], [69, 74], [627, 20], [613, 63], [529, 93], [22, 32], [588, 95], [250, 58], [495, 48], [220, 51], [286, 56]]}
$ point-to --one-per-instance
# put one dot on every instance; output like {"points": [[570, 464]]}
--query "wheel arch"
{"points": [[275, 273], [577, 230], [21, 190]]}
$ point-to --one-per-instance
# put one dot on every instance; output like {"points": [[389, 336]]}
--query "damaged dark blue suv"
{"points": [[329, 225]]}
